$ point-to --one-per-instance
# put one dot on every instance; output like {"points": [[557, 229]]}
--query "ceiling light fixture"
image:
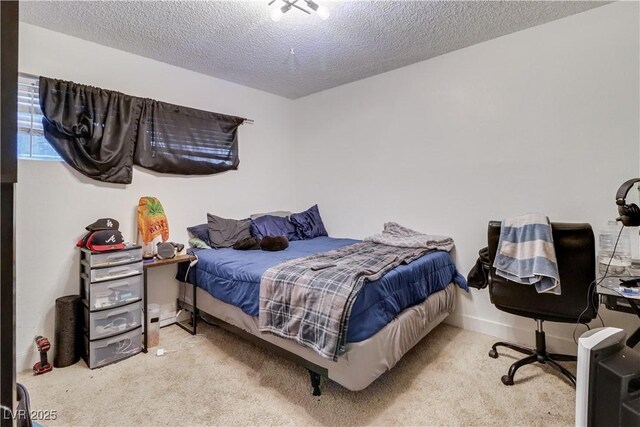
{"points": [[278, 13], [322, 11]]}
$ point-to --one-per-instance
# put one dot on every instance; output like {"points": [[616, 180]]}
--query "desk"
{"points": [[151, 264], [614, 300]]}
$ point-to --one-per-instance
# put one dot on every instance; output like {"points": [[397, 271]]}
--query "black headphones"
{"points": [[629, 214]]}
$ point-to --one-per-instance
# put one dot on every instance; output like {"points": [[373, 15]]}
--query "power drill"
{"points": [[43, 366]]}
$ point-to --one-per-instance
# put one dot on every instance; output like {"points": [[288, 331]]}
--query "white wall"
{"points": [[55, 203], [546, 119]]}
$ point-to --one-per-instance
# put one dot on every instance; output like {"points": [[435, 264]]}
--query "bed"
{"points": [[389, 316]]}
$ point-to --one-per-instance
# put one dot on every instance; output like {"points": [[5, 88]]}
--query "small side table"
{"points": [[151, 264]]}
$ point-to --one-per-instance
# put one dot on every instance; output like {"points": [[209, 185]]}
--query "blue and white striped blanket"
{"points": [[526, 253]]}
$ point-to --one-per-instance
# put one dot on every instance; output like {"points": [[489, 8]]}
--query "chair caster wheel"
{"points": [[507, 380], [493, 353]]}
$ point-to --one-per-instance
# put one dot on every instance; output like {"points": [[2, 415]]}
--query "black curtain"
{"points": [[182, 140], [102, 133], [94, 130]]}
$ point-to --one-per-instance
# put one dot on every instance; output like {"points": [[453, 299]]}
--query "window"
{"points": [[31, 141]]}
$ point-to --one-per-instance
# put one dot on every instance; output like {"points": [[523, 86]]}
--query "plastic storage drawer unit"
{"points": [[103, 352], [108, 259], [100, 274], [111, 287], [112, 293], [106, 323]]}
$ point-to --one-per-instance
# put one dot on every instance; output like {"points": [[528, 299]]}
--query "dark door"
{"points": [[8, 178]]}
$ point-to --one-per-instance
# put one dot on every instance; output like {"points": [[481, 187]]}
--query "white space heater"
{"points": [[607, 380]]}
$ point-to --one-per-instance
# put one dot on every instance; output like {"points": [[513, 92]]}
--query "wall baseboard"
{"points": [[524, 336], [169, 320], [503, 331], [25, 361]]}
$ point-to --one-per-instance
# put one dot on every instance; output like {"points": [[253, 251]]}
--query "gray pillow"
{"points": [[224, 233]]}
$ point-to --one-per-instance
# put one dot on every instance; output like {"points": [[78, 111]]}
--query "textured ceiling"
{"points": [[237, 40]]}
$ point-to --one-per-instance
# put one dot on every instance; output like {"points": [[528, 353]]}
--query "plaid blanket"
{"points": [[309, 299]]}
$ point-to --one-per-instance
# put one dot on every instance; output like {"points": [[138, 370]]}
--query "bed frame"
{"points": [[400, 332], [316, 372]]}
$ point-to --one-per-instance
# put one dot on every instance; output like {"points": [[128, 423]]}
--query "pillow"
{"points": [[224, 233], [198, 243], [269, 225], [200, 232], [274, 213], [308, 223]]}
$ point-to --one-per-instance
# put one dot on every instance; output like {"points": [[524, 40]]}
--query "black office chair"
{"points": [[575, 253]]}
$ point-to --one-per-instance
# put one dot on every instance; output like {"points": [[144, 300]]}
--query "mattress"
{"points": [[362, 361], [233, 277]]}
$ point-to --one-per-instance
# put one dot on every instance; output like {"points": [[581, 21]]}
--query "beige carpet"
{"points": [[446, 380]]}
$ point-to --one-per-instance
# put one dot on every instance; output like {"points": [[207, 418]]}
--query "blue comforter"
{"points": [[234, 276]]}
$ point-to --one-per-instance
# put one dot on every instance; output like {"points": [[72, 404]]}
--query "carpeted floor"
{"points": [[446, 380]]}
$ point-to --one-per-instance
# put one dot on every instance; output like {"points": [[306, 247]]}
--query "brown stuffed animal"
{"points": [[274, 243]]}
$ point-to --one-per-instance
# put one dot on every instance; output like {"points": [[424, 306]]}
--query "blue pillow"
{"points": [[201, 232], [308, 223], [270, 225]]}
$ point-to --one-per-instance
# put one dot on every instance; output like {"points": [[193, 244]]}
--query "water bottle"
{"points": [[619, 261]]}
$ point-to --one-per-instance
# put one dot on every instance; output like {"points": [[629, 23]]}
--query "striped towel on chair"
{"points": [[526, 254]]}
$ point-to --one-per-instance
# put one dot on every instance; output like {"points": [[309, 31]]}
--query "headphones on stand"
{"points": [[629, 214]]}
